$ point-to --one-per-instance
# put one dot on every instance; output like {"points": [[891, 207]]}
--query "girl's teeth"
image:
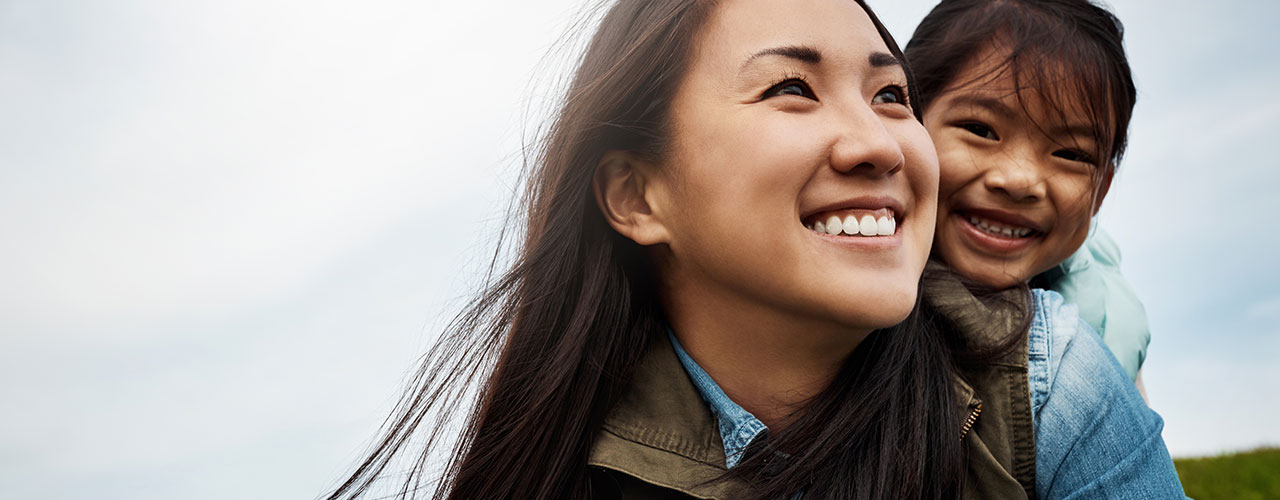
{"points": [[819, 227], [999, 230]]}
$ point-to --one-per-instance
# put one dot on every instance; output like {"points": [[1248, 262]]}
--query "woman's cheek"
{"points": [[925, 157], [956, 164]]}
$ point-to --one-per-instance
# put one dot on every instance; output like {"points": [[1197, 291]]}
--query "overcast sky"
{"points": [[230, 228]]}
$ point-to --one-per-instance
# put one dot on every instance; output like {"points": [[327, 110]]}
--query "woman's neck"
{"points": [[766, 362]]}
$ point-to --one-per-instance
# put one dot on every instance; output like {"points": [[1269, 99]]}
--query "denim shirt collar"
{"points": [[738, 427]]}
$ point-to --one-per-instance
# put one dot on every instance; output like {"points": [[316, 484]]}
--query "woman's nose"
{"points": [[864, 145]]}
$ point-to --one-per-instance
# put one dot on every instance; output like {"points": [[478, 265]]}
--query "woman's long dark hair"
{"points": [[555, 339]]}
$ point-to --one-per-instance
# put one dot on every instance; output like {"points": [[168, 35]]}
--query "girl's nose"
{"points": [[1019, 178]]}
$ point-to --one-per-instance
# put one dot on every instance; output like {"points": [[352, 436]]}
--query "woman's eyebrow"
{"points": [[812, 55], [800, 53], [883, 60]]}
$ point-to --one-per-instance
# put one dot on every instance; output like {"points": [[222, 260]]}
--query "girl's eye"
{"points": [[1074, 155], [980, 130], [794, 87], [893, 94]]}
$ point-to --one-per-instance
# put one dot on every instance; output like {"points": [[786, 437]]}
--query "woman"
{"points": [[715, 295]]}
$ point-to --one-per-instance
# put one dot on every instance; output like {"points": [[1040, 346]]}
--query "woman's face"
{"points": [[799, 182], [1017, 187]]}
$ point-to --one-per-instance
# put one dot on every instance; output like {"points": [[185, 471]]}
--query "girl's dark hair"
{"points": [[548, 345], [1067, 51]]}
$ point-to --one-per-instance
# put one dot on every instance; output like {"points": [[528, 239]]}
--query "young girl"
{"points": [[716, 293], [1029, 104]]}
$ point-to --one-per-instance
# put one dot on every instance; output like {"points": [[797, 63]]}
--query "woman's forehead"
{"points": [[738, 30]]}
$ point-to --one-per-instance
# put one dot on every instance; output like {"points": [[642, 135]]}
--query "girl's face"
{"points": [[1017, 188], [799, 185]]}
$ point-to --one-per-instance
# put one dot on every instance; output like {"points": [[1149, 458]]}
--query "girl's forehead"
{"points": [[1050, 93]]}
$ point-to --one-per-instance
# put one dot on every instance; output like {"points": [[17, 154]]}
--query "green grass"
{"points": [[1239, 476]]}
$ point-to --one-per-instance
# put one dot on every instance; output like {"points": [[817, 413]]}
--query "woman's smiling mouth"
{"points": [[875, 220], [864, 223]]}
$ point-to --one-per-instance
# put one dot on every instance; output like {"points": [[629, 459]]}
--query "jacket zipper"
{"points": [[973, 417]]}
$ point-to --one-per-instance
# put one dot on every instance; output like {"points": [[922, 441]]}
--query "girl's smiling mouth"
{"points": [[995, 231]]}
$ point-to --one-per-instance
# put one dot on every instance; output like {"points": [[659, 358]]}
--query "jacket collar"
{"points": [[738, 427], [662, 432]]}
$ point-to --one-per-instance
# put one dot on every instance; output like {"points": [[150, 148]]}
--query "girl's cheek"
{"points": [[1077, 194]]}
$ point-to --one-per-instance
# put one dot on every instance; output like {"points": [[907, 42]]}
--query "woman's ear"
{"points": [[623, 190], [1103, 187]]}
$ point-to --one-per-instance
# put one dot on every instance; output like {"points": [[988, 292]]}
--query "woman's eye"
{"points": [[1074, 155], [791, 87], [892, 94], [980, 130]]}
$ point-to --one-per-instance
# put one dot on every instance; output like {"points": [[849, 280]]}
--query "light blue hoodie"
{"points": [[1091, 279]]}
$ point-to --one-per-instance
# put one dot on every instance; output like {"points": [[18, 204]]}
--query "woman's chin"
{"points": [[881, 308]]}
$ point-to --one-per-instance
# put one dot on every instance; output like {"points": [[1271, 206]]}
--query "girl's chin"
{"points": [[997, 275]]}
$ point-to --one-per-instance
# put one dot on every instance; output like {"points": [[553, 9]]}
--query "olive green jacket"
{"points": [[660, 441]]}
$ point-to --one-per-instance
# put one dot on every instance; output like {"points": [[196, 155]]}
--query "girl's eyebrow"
{"points": [[1074, 130], [998, 107], [988, 103]]}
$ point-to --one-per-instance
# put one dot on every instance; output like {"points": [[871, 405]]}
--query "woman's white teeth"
{"points": [[998, 229], [834, 226], [867, 226], [886, 226], [853, 226]]}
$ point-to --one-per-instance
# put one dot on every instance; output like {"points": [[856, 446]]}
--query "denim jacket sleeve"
{"points": [[1095, 437]]}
